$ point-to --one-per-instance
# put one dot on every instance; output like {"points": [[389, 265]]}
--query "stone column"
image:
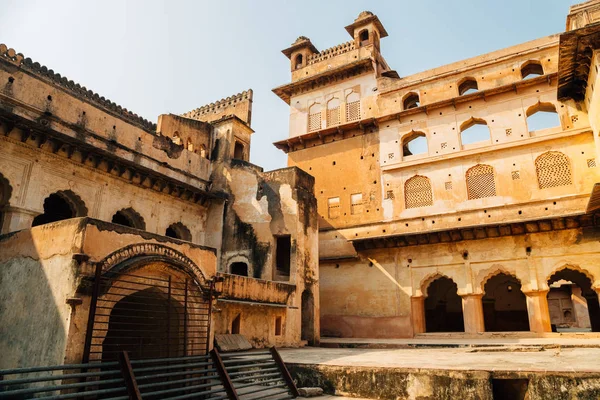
{"points": [[418, 314], [473, 313], [16, 219], [537, 308]]}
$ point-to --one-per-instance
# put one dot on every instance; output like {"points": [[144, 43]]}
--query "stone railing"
{"points": [[236, 287], [330, 52], [79, 91]]}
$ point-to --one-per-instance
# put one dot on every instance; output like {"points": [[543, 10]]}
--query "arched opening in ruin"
{"points": [[146, 324], [307, 330], [531, 69], [411, 100], [239, 268], [542, 116], [61, 205], [238, 151], [5, 193], [298, 62], [129, 217], [572, 302], [179, 231], [414, 143], [467, 86], [504, 305], [474, 130], [443, 307]]}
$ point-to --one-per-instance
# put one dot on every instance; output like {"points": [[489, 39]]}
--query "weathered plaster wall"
{"points": [[263, 206], [37, 276]]}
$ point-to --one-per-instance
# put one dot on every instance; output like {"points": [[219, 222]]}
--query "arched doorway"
{"points": [[572, 302], [149, 294], [61, 205], [307, 331], [146, 324], [443, 307], [504, 305]]}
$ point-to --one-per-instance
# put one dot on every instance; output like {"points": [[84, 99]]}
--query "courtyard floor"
{"points": [[533, 358]]}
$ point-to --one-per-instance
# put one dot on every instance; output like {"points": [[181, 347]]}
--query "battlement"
{"points": [[331, 52], [239, 105], [19, 60]]}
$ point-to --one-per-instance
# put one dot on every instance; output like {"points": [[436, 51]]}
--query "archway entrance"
{"points": [[504, 305], [443, 307], [146, 324], [572, 302], [152, 309]]}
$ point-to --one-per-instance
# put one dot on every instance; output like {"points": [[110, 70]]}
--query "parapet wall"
{"points": [[239, 105]]}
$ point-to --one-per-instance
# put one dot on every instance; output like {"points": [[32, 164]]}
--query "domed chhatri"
{"points": [[364, 14]]}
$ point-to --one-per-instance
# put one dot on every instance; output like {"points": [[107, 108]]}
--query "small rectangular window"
{"points": [[283, 255], [356, 203], [333, 207], [277, 326]]}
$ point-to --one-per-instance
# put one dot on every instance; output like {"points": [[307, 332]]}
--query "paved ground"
{"points": [[485, 358], [579, 340]]}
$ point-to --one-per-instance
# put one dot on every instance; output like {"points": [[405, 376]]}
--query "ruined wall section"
{"points": [[261, 207], [195, 136]]}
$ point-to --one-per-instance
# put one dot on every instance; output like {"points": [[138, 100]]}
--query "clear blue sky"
{"points": [[157, 57]]}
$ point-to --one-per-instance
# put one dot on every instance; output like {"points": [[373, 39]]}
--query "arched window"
{"points": [[129, 217], [417, 192], [531, 69], [176, 138], [179, 231], [239, 268], [202, 151], [238, 151], [411, 100], [414, 143], [189, 145], [61, 205], [5, 194], [314, 117], [473, 131], [298, 62], [353, 107], [467, 86], [542, 116], [553, 169], [480, 182], [333, 112], [363, 37]]}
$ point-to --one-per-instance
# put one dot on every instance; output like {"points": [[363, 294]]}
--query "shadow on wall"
{"points": [[34, 290]]}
